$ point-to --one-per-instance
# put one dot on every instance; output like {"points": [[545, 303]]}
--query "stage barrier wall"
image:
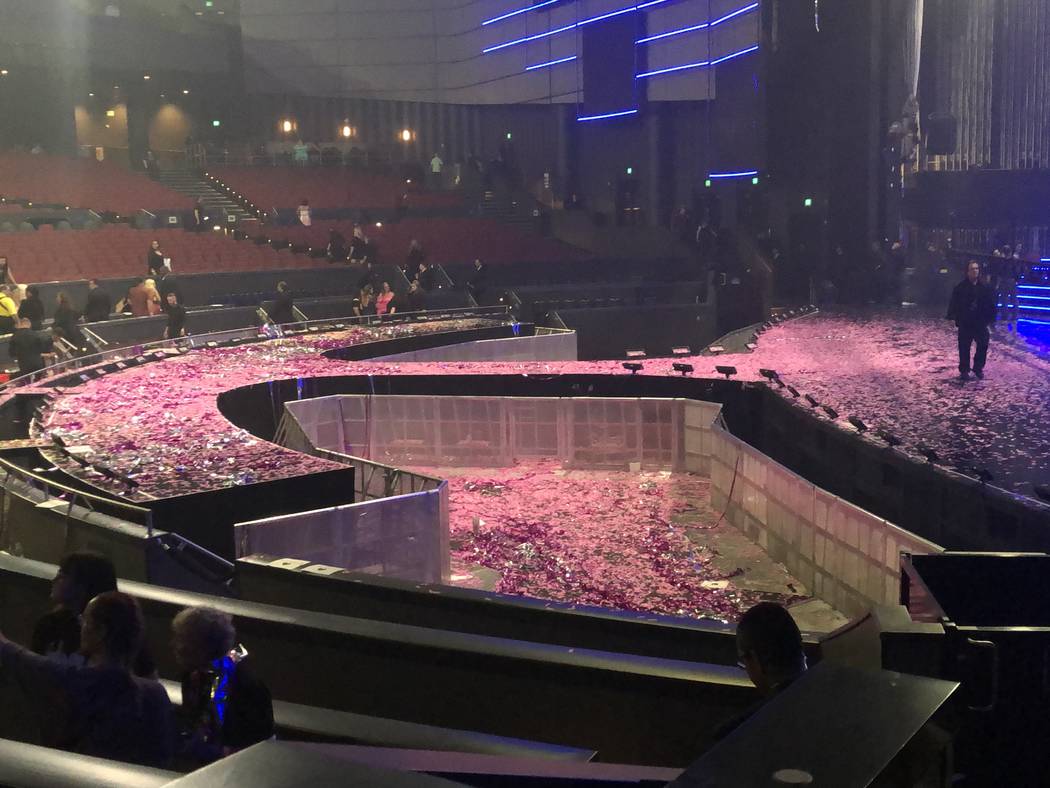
{"points": [[582, 432], [843, 554], [394, 537], [555, 346]]}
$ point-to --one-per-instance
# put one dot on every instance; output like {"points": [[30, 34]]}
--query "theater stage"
{"points": [[160, 423]]}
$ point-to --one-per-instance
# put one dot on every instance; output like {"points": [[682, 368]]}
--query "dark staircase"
{"points": [[192, 185]]}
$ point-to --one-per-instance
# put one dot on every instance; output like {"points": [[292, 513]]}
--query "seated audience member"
{"points": [[477, 284], [8, 310], [364, 304], [154, 259], [769, 647], [224, 706], [413, 300], [66, 318], [176, 313], [415, 257], [283, 305], [81, 577], [98, 304], [32, 308], [384, 299], [100, 708], [28, 347], [336, 250]]}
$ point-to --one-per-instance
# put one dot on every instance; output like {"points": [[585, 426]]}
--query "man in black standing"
{"points": [[98, 305], [28, 347], [973, 309], [283, 308]]}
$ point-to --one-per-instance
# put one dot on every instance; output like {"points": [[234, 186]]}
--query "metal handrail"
{"points": [[49, 487], [252, 332]]}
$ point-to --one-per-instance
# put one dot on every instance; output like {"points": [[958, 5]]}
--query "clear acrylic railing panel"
{"points": [[472, 431], [395, 537], [535, 427]]}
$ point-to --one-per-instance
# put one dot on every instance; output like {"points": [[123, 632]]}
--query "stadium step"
{"points": [[191, 185]]}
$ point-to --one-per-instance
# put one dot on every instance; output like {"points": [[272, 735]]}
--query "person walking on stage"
{"points": [[973, 309]]}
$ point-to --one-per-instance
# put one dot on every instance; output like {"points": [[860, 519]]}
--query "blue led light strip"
{"points": [[698, 64], [1034, 298], [519, 11], [608, 115], [1037, 308], [551, 63], [1032, 287], [745, 174], [701, 26], [591, 20]]}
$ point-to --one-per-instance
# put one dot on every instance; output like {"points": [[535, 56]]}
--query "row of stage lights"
{"points": [[983, 475]]}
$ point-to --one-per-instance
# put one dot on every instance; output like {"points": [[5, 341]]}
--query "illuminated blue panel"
{"points": [[551, 63], [572, 26], [701, 26], [744, 174], [608, 115], [698, 64], [519, 11], [1032, 287]]}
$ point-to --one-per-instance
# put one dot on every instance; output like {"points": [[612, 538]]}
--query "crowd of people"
{"points": [[90, 673], [158, 293], [91, 676]]}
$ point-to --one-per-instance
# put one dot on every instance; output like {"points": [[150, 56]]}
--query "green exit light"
{"points": [[808, 202], [216, 123], [630, 170], [754, 181], [208, 3], [707, 183]]}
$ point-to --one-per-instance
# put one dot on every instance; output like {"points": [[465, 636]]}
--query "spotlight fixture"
{"points": [[727, 371], [889, 437], [633, 366], [768, 374], [929, 454], [716, 349], [794, 392], [680, 351], [751, 346], [860, 425], [830, 411], [635, 353], [685, 369], [812, 401]]}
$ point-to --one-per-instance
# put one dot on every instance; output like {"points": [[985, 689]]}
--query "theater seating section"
{"points": [[118, 251], [83, 183], [326, 188], [445, 240]]}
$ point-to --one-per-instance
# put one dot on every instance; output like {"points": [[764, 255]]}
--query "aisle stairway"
{"points": [[192, 185], [508, 209]]}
